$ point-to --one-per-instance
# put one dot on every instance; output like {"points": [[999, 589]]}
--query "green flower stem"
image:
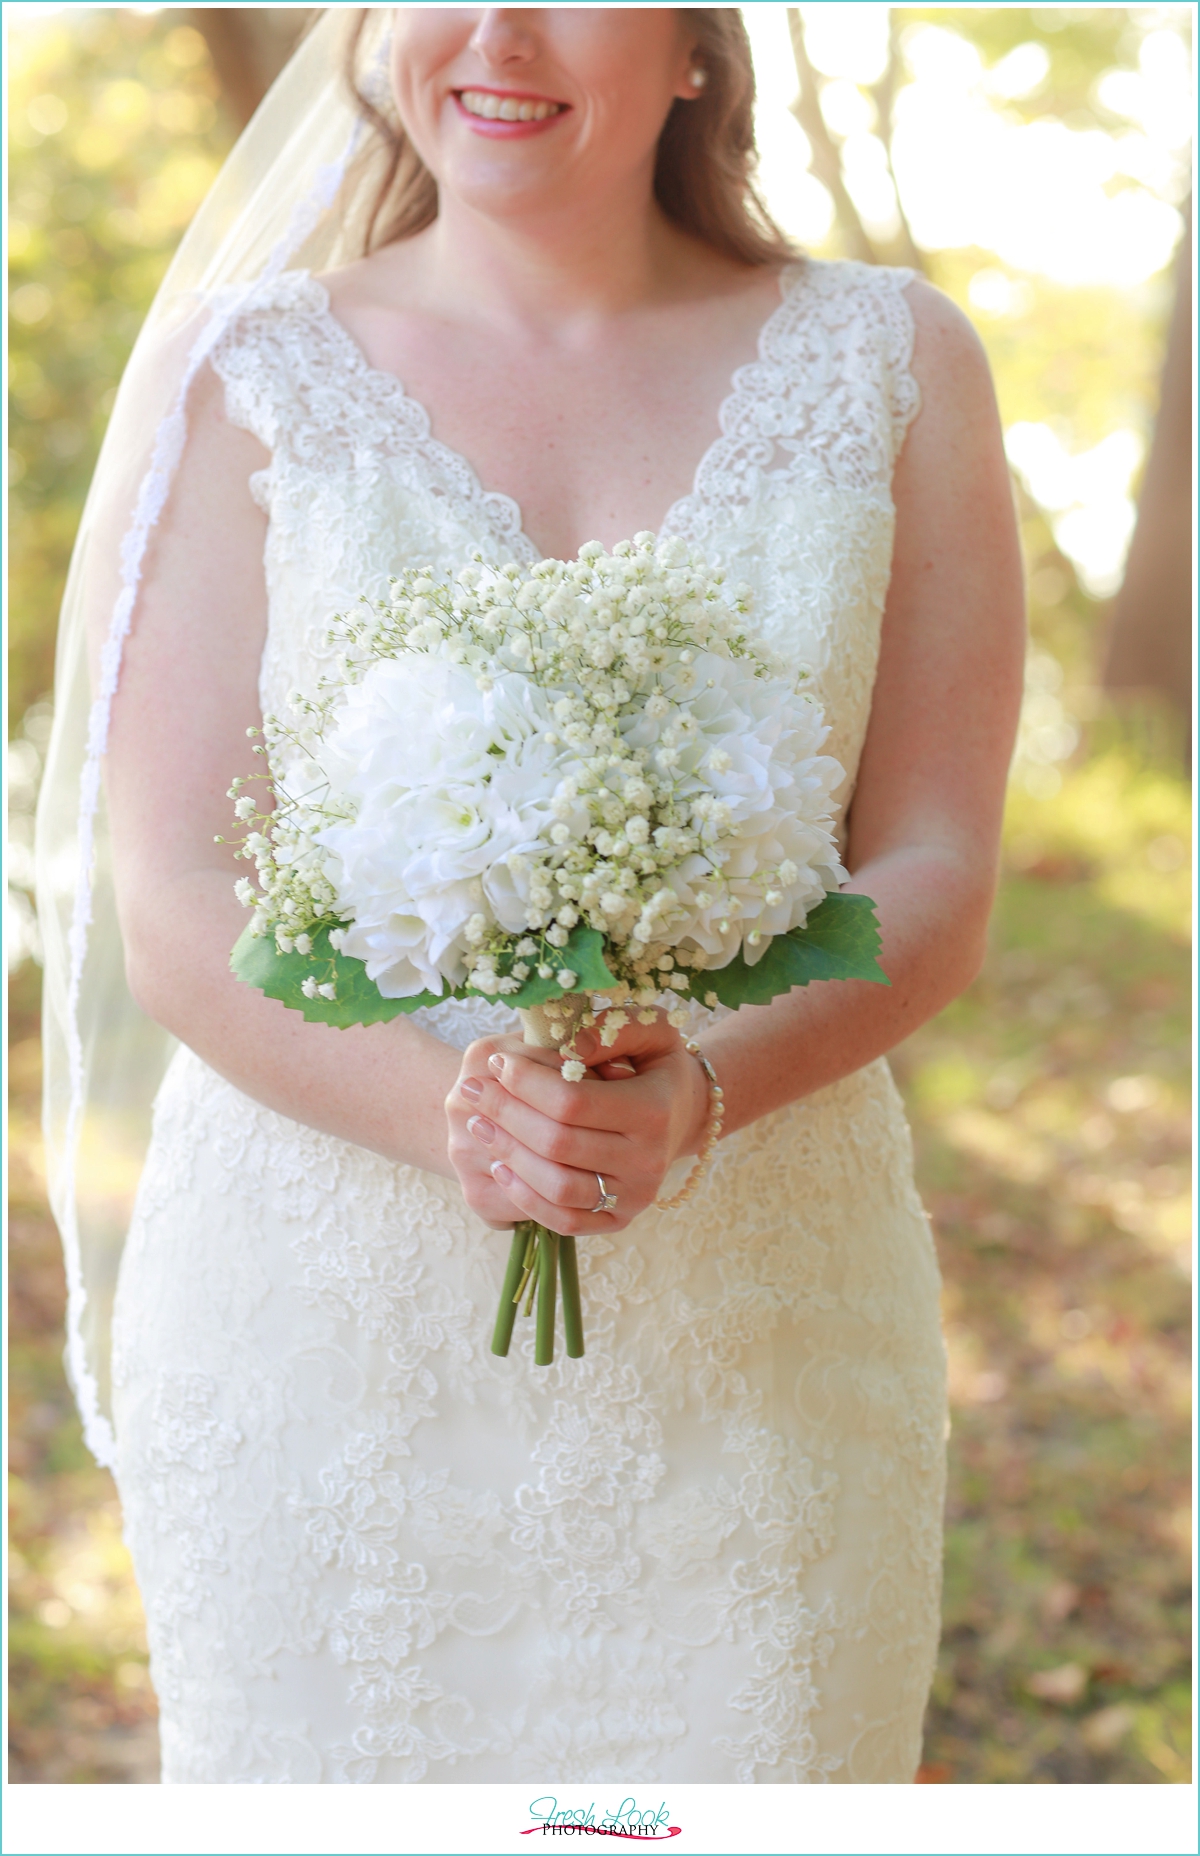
{"points": [[530, 1259], [547, 1283], [533, 1277], [506, 1314], [568, 1265]]}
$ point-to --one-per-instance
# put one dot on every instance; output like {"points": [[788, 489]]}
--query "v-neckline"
{"points": [[393, 386]]}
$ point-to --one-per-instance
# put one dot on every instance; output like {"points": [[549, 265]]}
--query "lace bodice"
{"points": [[793, 496], [710, 1550]]}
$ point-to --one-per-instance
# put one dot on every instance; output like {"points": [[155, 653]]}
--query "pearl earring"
{"points": [[698, 77]]}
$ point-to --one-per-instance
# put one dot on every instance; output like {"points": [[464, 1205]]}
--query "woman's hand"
{"points": [[526, 1144]]}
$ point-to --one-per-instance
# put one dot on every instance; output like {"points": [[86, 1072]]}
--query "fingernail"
{"points": [[484, 1131], [502, 1175], [496, 1063], [586, 1044], [472, 1089]]}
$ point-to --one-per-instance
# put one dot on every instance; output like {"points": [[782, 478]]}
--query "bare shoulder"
{"points": [[389, 277], [949, 361], [165, 377]]}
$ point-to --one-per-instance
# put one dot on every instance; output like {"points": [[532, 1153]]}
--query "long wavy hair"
{"points": [[704, 174]]}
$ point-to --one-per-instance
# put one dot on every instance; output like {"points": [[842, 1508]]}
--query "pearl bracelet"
{"points": [[712, 1134]]}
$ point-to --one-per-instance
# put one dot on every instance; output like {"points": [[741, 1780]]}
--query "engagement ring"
{"points": [[608, 1200]]}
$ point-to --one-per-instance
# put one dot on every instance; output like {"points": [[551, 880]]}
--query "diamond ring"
{"points": [[607, 1201]]}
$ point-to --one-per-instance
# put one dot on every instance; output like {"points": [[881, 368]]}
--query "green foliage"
{"points": [[839, 941], [583, 955], [1079, 41], [114, 138], [1085, 358], [1052, 1118], [258, 961]]}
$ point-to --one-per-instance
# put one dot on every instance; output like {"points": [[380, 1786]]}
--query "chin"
{"points": [[500, 190]]}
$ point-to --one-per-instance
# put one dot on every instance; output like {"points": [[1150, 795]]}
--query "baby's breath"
{"points": [[635, 765]]}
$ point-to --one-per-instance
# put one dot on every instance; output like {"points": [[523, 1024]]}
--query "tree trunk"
{"points": [[1149, 651], [249, 46], [826, 159]]}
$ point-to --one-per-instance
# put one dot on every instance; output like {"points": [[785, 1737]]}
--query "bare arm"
{"points": [[925, 822], [187, 695]]}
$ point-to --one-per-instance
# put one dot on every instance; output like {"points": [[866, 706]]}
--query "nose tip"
{"points": [[500, 38]]}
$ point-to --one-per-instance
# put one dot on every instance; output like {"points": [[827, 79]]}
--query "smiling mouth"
{"points": [[493, 108]]}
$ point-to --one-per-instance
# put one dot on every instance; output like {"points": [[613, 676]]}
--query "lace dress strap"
{"points": [[852, 322], [897, 337], [297, 380], [829, 398], [271, 364]]}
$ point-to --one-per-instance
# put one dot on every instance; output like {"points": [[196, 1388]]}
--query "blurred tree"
{"points": [[827, 151], [249, 46], [1078, 43], [1067, 358], [118, 123], [115, 134], [1150, 643]]}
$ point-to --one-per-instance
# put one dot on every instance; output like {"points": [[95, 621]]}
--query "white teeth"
{"points": [[505, 109]]}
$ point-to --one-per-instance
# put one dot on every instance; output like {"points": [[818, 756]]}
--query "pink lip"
{"points": [[507, 131]]}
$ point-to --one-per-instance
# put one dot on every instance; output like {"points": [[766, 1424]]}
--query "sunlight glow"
{"points": [[1086, 495], [1046, 198], [799, 202]]}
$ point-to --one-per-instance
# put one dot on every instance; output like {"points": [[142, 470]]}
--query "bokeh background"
{"points": [[1035, 163]]}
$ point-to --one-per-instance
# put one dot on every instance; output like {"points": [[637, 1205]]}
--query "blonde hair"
{"points": [[704, 170]]}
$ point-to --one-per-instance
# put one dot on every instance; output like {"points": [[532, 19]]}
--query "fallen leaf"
{"points": [[1103, 1731], [1059, 1601], [1062, 1686]]}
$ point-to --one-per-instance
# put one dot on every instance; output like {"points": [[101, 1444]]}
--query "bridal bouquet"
{"points": [[578, 788]]}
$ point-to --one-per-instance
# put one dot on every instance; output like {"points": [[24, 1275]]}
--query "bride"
{"points": [[537, 290]]}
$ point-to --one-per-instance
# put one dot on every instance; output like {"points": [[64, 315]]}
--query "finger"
{"points": [[483, 1197], [490, 1104], [615, 1071], [566, 1221], [642, 1044], [557, 1184], [475, 1057], [591, 1104]]}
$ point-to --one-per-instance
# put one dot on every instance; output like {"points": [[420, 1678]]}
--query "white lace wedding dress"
{"points": [[370, 1551]]}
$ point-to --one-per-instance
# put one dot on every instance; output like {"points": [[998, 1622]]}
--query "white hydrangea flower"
{"points": [[516, 756]]}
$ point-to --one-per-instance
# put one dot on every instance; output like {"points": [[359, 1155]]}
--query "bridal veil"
{"points": [[296, 189]]}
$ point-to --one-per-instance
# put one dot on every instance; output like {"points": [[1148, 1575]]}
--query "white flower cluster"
{"points": [[517, 754]]}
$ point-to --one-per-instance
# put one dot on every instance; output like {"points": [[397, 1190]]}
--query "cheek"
{"points": [[424, 42], [631, 85]]}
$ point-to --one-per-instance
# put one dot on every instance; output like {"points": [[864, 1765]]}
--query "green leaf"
{"points": [[583, 955], [839, 941], [257, 960]]}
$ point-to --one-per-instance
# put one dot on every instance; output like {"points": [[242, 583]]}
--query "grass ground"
{"points": [[1051, 1112]]}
